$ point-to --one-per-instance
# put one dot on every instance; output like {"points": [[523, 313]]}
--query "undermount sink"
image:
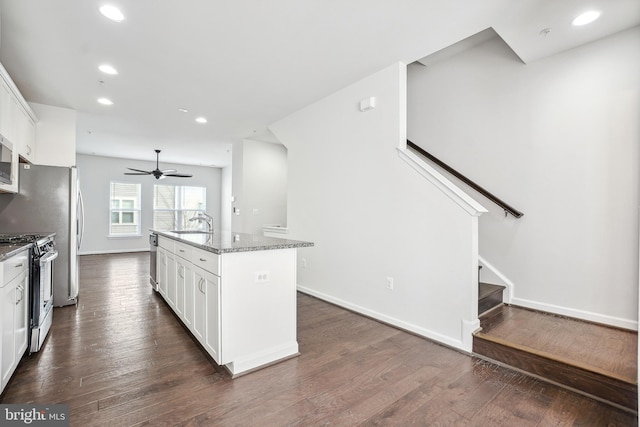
{"points": [[191, 232]]}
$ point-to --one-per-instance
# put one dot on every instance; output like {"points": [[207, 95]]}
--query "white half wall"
{"points": [[559, 140], [373, 217], [96, 173]]}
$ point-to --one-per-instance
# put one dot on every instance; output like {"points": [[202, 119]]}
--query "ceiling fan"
{"points": [[157, 172]]}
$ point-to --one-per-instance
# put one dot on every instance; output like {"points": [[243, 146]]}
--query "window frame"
{"points": [[178, 211], [136, 210]]}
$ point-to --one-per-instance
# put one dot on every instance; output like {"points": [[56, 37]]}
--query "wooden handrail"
{"points": [[507, 208]]}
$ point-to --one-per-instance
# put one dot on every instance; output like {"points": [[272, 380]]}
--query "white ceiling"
{"points": [[244, 64]]}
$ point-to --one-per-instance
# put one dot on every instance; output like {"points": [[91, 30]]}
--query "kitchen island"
{"points": [[236, 293]]}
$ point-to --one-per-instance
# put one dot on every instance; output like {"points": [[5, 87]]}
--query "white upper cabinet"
{"points": [[17, 119]]}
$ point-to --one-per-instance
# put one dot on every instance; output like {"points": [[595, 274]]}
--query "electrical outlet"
{"points": [[304, 263], [262, 276], [390, 283]]}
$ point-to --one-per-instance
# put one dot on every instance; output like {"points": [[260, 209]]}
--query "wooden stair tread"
{"points": [[487, 289], [594, 359], [489, 296], [574, 341]]}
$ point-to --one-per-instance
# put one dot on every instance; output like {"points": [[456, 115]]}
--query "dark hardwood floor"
{"points": [[120, 358]]}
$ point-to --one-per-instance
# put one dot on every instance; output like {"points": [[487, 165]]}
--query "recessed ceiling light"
{"points": [[108, 69], [586, 18], [201, 120], [105, 101], [112, 13], [183, 110]]}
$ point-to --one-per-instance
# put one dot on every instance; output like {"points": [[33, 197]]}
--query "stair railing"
{"points": [[506, 207]]}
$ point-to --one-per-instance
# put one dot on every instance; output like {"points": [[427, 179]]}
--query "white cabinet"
{"points": [[187, 281], [161, 271], [182, 276], [171, 280], [17, 125], [25, 135], [5, 108], [199, 304], [14, 316], [189, 296], [211, 285]]}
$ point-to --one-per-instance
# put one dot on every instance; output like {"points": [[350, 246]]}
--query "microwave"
{"points": [[6, 160]]}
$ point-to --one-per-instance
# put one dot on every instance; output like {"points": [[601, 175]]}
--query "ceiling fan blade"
{"points": [[179, 175], [169, 170], [138, 170], [136, 173]]}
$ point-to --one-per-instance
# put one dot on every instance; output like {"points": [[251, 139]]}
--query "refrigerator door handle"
{"points": [[80, 218]]}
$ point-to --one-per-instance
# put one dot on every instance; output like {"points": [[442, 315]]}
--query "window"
{"points": [[125, 209], [174, 206]]}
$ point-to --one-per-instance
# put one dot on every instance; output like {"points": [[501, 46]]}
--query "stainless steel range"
{"points": [[43, 252]]}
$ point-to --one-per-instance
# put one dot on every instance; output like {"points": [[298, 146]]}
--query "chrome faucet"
{"points": [[203, 217]]}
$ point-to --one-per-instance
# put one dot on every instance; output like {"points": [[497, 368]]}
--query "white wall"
{"points": [[55, 135], [259, 185], [557, 139], [226, 193], [96, 173], [371, 216]]}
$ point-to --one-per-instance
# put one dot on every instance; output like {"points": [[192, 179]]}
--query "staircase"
{"points": [[591, 359], [489, 296]]}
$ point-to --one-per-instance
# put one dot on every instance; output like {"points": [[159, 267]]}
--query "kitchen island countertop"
{"points": [[227, 242]]}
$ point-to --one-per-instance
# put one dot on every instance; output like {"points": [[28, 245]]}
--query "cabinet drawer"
{"points": [[12, 267], [166, 243], [206, 260], [183, 250]]}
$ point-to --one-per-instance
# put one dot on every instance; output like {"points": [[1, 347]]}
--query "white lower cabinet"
{"points": [[182, 272], [14, 316], [199, 304], [171, 280], [191, 291], [211, 285], [161, 271]]}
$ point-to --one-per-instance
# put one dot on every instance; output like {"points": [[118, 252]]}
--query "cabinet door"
{"points": [[5, 102], [161, 272], [8, 299], [199, 304], [22, 315], [181, 277], [212, 310], [171, 280], [25, 135], [189, 295]]}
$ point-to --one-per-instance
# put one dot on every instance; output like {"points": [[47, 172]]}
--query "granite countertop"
{"points": [[227, 242], [7, 250]]}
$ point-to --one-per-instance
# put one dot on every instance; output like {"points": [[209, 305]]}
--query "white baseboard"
{"points": [[577, 314], [400, 324], [115, 251]]}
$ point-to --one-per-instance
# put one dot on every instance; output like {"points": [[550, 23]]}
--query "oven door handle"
{"points": [[50, 256]]}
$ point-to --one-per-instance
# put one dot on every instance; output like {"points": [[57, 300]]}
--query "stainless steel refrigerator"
{"points": [[49, 200]]}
